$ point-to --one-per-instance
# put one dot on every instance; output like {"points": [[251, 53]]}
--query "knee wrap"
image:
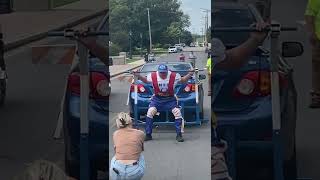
{"points": [[177, 113], [152, 111]]}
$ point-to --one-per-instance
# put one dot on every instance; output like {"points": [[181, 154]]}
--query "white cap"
{"points": [[218, 50]]}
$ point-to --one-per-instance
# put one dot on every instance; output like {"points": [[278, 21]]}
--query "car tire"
{"points": [[3, 91], [289, 138]]}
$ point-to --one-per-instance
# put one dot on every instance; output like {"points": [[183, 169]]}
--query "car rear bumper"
{"points": [[255, 122], [187, 102]]}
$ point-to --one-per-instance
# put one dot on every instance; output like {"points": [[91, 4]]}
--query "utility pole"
{"points": [[149, 30], [141, 44], [206, 22], [130, 34]]}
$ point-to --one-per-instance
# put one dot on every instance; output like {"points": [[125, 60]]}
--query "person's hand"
{"points": [[313, 39], [261, 35]]}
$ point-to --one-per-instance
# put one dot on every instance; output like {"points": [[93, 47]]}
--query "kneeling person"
{"points": [[164, 99]]}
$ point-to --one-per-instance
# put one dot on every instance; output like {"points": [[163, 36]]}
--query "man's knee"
{"points": [[152, 111], [177, 113]]}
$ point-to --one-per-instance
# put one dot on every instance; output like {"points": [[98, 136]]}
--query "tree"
{"points": [[167, 21], [186, 37]]}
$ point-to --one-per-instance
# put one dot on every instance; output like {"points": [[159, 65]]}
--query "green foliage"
{"points": [[168, 22], [114, 50]]}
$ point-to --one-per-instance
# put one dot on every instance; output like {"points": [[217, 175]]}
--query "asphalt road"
{"points": [[308, 123], [165, 158], [30, 114]]}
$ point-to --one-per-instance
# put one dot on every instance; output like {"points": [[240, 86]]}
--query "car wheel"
{"points": [[288, 128], [3, 89]]}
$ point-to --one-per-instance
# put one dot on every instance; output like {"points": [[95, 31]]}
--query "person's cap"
{"points": [[218, 49], [163, 68]]}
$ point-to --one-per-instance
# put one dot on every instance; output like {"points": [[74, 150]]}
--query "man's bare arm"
{"points": [[185, 78], [142, 78], [238, 56]]}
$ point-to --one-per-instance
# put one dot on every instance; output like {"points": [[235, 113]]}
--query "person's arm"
{"points": [[185, 78], [144, 79], [238, 56]]}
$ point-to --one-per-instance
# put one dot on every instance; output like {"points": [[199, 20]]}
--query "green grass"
{"points": [[57, 3], [134, 58]]}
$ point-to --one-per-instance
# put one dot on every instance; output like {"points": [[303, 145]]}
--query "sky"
{"points": [[193, 9]]}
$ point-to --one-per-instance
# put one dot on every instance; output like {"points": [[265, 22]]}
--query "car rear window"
{"points": [[232, 18], [172, 67]]}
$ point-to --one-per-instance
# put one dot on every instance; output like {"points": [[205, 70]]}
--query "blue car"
{"points": [[242, 97], [185, 93], [100, 89]]}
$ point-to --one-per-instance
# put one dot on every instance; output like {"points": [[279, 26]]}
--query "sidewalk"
{"points": [[17, 33], [116, 70]]}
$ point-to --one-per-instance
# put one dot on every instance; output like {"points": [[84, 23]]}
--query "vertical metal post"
{"points": [[84, 121], [150, 38], [141, 45], [3, 74], [135, 98], [130, 34], [2, 64], [196, 85], [275, 95]]}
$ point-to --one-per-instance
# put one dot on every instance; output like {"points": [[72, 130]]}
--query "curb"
{"points": [[18, 43]]}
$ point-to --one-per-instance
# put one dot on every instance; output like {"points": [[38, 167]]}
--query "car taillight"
{"points": [[257, 83], [141, 88], [190, 88], [99, 84]]}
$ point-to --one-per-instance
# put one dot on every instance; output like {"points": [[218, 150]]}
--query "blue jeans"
{"points": [[127, 172]]}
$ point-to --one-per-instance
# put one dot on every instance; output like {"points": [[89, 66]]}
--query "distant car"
{"points": [[182, 57], [192, 45], [172, 49], [183, 44], [151, 58], [179, 47], [100, 89]]}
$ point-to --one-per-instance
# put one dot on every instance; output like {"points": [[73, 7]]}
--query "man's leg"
{"points": [[152, 111], [178, 123]]}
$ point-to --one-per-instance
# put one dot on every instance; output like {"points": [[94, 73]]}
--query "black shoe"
{"points": [[148, 137], [179, 138]]}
